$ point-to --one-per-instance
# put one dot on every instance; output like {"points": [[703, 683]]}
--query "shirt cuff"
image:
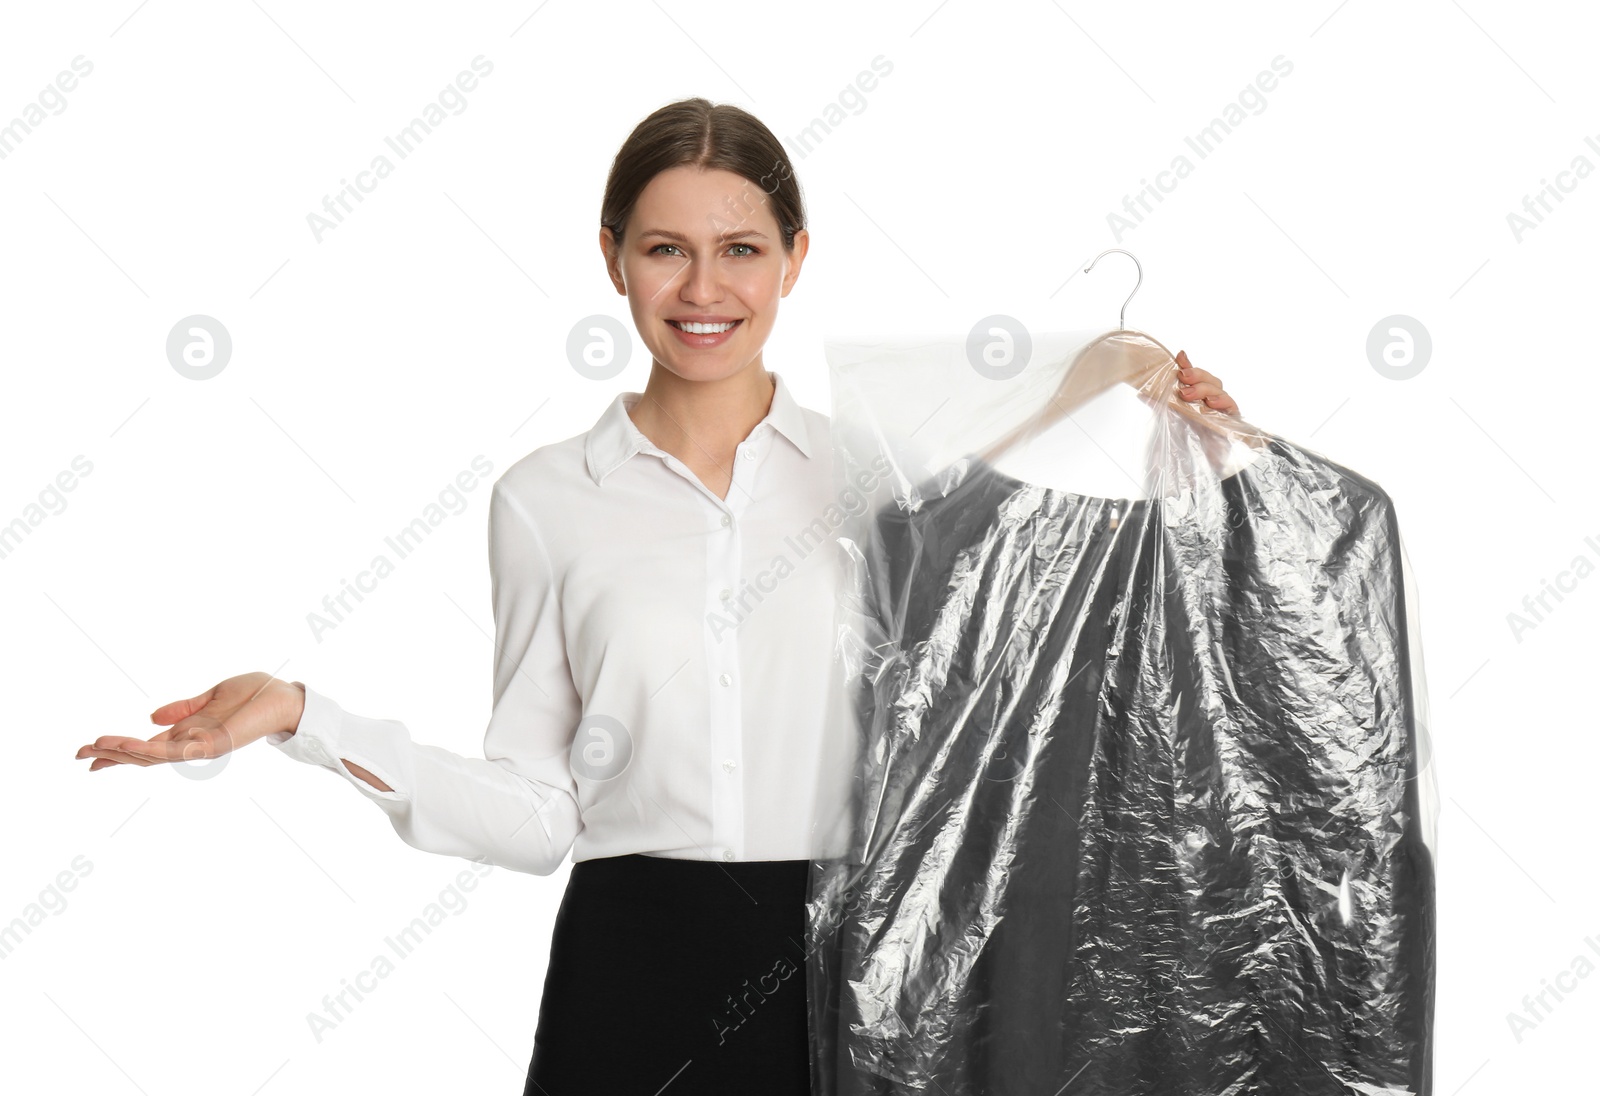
{"points": [[327, 736]]}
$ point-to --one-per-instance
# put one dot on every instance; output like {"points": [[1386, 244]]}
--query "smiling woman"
{"points": [[704, 254], [692, 770], [703, 229], [653, 955]]}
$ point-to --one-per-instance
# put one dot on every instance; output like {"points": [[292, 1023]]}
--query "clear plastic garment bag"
{"points": [[1143, 802]]}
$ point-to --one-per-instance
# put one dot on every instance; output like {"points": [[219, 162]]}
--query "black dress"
{"points": [[1140, 809]]}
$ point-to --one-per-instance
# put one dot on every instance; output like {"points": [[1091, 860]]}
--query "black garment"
{"points": [[675, 977], [1140, 810]]}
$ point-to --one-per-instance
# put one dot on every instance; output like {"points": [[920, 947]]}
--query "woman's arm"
{"points": [[515, 807], [296, 710], [368, 777]]}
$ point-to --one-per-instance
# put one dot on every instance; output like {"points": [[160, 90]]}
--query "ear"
{"points": [[611, 250], [802, 244]]}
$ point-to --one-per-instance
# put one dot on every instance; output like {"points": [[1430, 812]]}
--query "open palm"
{"points": [[229, 715]]}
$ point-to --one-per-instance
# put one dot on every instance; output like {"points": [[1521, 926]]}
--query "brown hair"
{"points": [[699, 133]]}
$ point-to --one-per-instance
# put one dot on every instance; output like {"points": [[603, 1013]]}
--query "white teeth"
{"points": [[702, 328]]}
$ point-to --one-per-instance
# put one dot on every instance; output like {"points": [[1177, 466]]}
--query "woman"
{"points": [[656, 714]]}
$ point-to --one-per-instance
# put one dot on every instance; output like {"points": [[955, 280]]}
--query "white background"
{"points": [[369, 368]]}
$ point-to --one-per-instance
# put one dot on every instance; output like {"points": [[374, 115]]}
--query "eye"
{"points": [[658, 247], [747, 247]]}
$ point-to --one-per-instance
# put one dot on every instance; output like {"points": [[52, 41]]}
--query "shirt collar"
{"points": [[614, 437]]}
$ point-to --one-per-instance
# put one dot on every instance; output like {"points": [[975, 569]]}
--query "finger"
{"points": [[1222, 402], [103, 763], [1196, 384], [163, 736], [1188, 371], [119, 757], [1213, 396], [126, 751], [1199, 390], [168, 714], [123, 748]]}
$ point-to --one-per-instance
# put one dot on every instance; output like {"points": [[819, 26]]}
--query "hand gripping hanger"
{"points": [[1123, 357]]}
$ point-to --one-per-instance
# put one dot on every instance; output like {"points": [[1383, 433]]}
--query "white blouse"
{"points": [[663, 670]]}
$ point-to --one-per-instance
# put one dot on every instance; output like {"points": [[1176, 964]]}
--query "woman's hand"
{"points": [[232, 714], [1197, 384]]}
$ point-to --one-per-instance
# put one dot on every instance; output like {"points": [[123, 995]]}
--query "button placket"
{"points": [[728, 755], [723, 568]]}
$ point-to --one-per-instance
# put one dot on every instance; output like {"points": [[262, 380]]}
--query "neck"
{"points": [[695, 420]]}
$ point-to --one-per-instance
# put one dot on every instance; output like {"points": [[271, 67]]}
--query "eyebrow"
{"points": [[742, 234]]}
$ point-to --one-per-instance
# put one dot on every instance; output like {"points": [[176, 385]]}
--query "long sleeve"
{"points": [[517, 806]]}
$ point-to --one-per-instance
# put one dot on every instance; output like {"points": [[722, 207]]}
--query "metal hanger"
{"points": [[1122, 316]]}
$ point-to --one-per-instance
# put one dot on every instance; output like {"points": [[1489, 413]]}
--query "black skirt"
{"points": [[676, 977]]}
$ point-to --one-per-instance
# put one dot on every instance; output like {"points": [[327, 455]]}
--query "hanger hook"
{"points": [[1122, 316]]}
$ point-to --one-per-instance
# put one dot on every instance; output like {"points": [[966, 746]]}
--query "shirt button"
{"points": [[727, 764], [726, 520], [726, 593], [749, 453], [727, 854], [725, 679]]}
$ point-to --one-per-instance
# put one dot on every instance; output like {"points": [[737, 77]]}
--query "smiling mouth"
{"points": [[704, 328]]}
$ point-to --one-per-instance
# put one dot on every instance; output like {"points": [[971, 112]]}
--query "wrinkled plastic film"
{"points": [[1144, 800]]}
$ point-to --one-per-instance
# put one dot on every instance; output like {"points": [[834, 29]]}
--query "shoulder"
{"points": [[1347, 515], [547, 470], [529, 497]]}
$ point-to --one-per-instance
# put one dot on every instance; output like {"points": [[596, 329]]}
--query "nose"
{"points": [[701, 283]]}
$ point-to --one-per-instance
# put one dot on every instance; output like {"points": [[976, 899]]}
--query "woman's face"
{"points": [[703, 247]]}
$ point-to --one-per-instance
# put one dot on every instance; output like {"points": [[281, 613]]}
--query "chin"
{"points": [[707, 367]]}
